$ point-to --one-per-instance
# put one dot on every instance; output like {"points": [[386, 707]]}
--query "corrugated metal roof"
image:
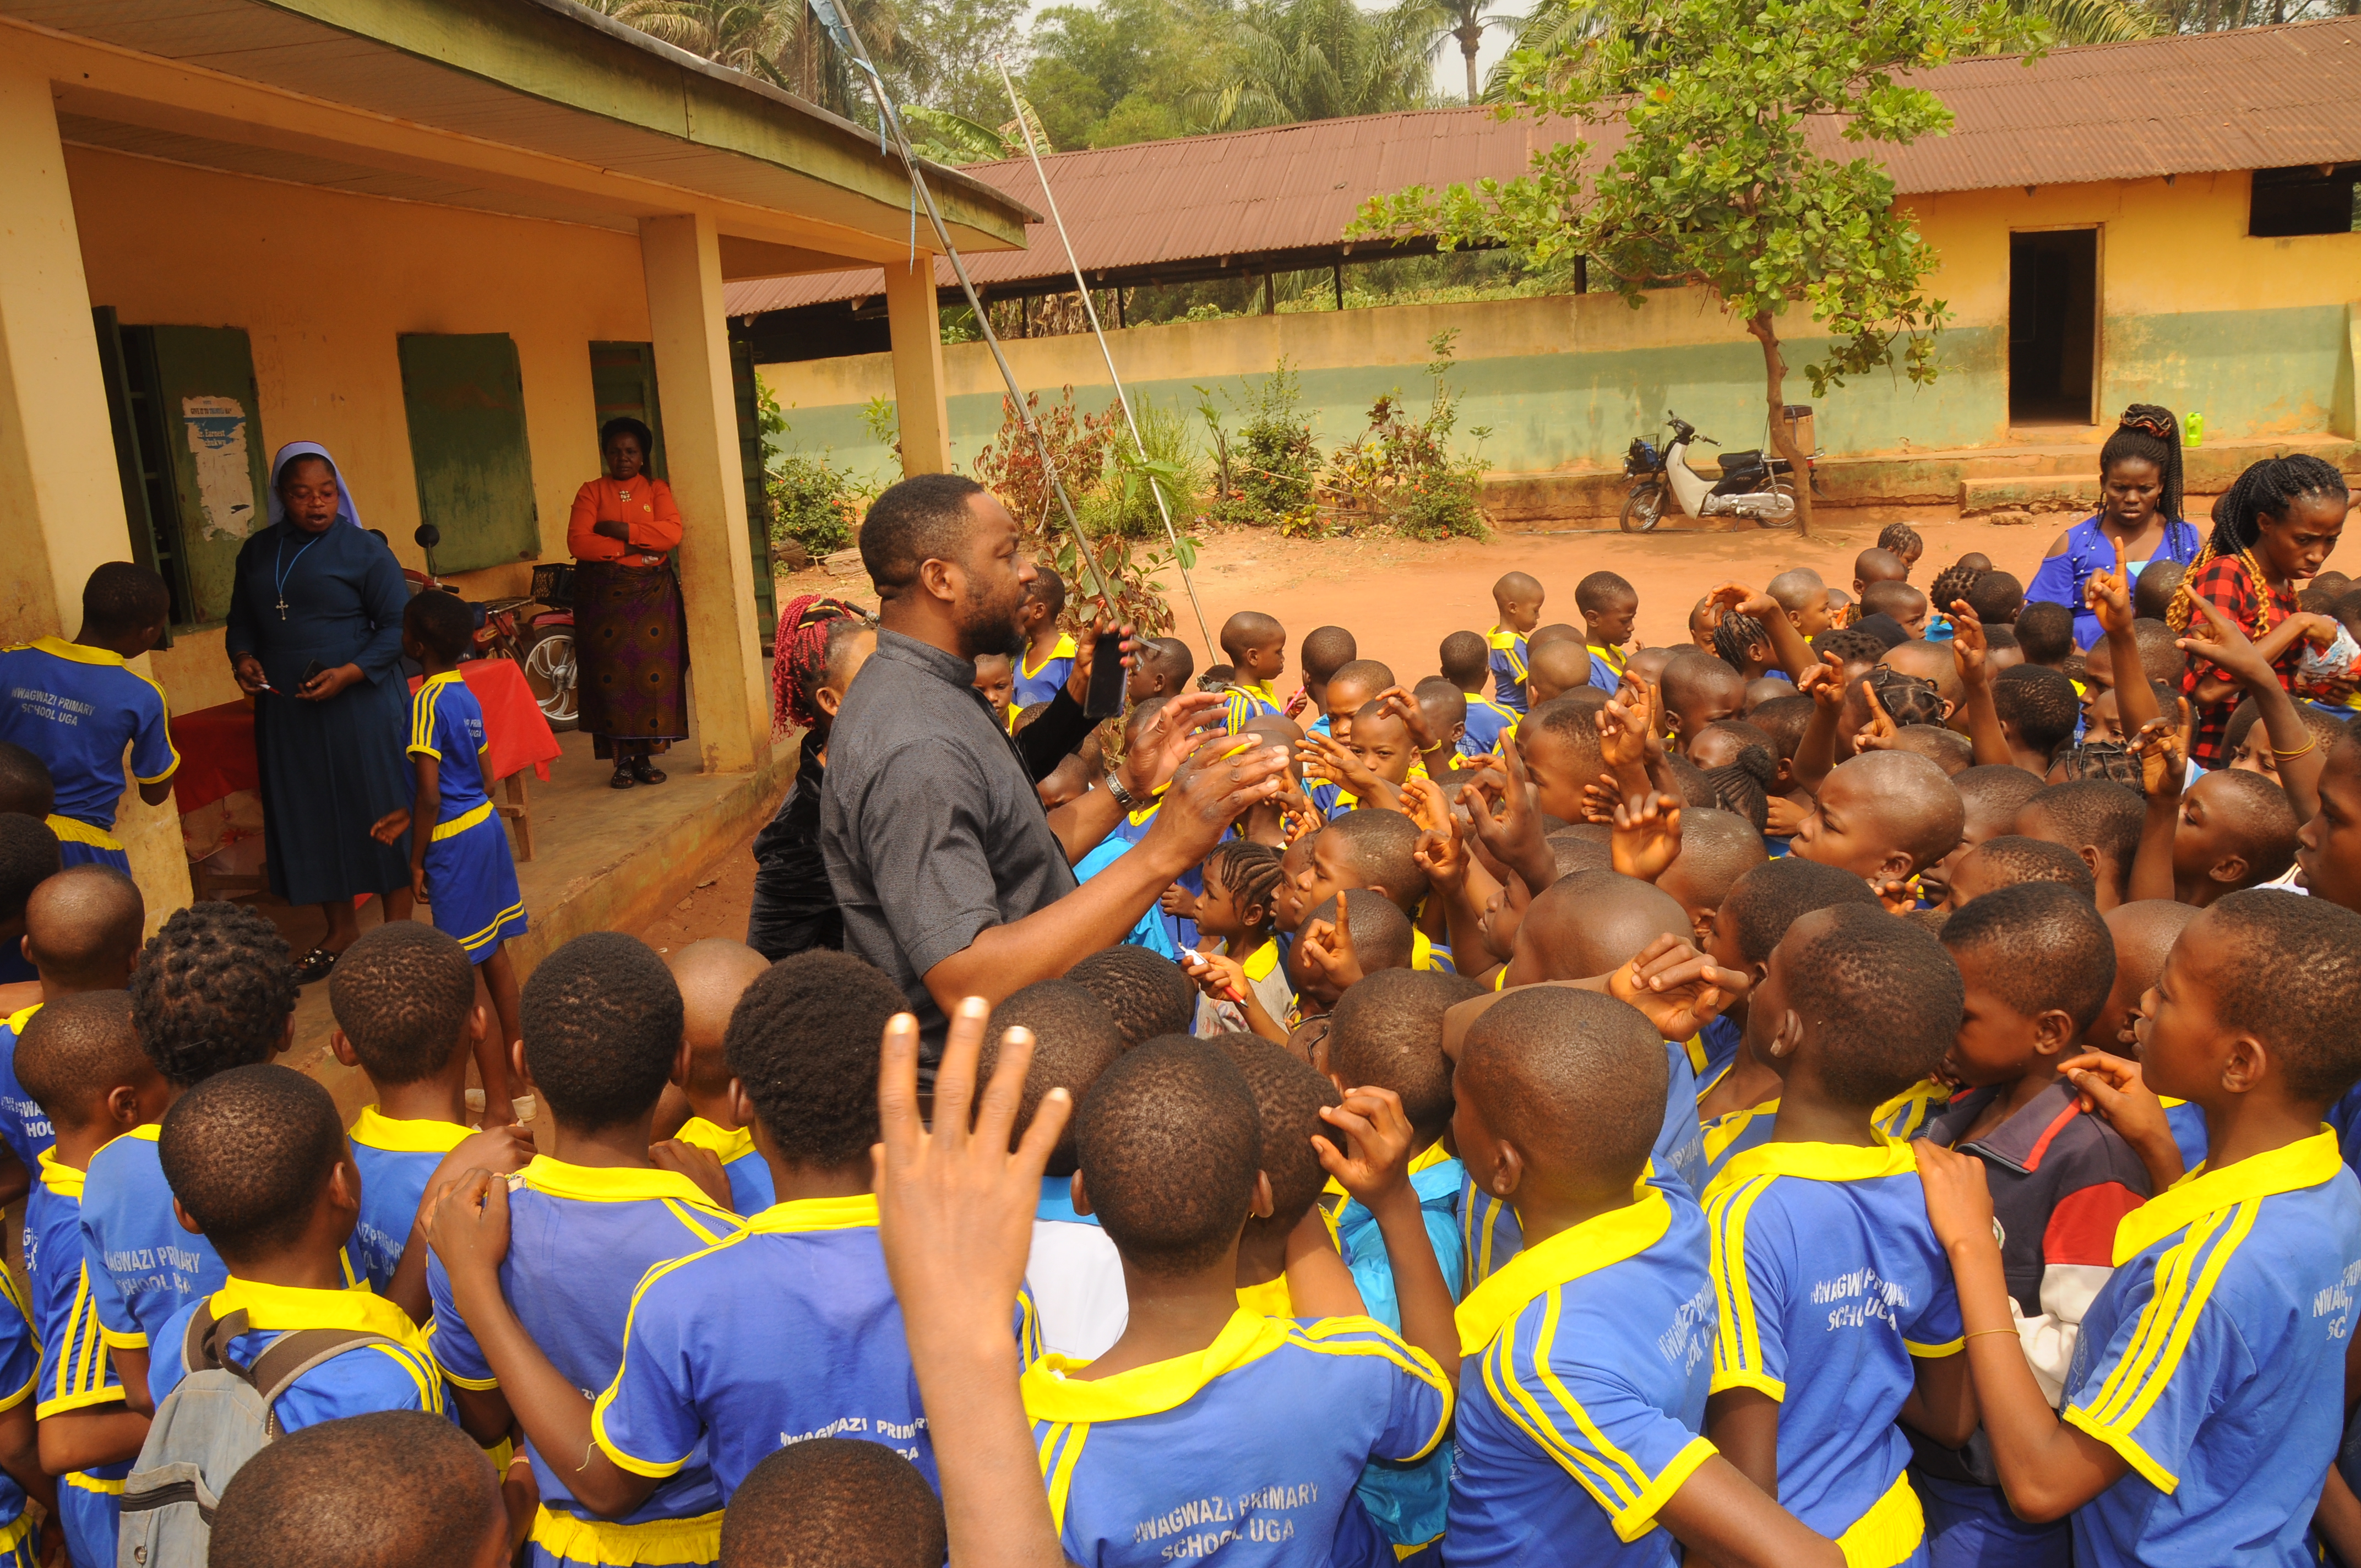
{"points": [[2255, 98]]}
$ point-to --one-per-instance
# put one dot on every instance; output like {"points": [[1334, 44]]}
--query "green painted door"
{"points": [[623, 385], [750, 461], [190, 392], [465, 396]]}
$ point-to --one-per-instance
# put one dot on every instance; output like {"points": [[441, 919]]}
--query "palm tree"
{"points": [[1469, 21], [1318, 60], [739, 34]]}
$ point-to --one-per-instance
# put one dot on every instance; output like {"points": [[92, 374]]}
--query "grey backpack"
{"points": [[213, 1421]]}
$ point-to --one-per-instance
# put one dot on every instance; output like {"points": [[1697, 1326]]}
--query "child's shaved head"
{"points": [[1717, 848], [1990, 796], [1074, 1040], [1892, 596], [1796, 589], [1880, 997], [1592, 923], [1883, 812], [83, 926], [1602, 591], [1387, 1033], [1248, 629], [1357, 681], [2143, 931], [1288, 1095], [1171, 1142], [248, 1152], [1326, 649], [1382, 932], [1874, 565], [2287, 969], [2243, 828], [1443, 704], [25, 787], [1552, 669], [1700, 690], [1518, 587], [2042, 947], [2040, 703], [389, 1489], [2010, 861], [712, 975], [2097, 818], [1377, 849], [1574, 1081], [1464, 659], [402, 995], [76, 1050], [1144, 992], [831, 1502], [1766, 901]]}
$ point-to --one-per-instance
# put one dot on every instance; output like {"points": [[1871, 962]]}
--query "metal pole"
{"points": [[889, 119], [1122, 397]]}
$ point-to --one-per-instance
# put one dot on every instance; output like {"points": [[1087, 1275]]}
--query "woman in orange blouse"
{"points": [[628, 638]]}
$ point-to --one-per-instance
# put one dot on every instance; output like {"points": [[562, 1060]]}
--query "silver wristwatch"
{"points": [[1123, 796]]}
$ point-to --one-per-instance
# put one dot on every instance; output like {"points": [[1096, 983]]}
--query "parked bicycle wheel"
{"points": [[1644, 506], [1780, 485], [549, 670]]}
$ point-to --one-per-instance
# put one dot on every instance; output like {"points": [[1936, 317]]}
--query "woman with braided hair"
{"points": [[2139, 481], [823, 643], [2272, 530]]}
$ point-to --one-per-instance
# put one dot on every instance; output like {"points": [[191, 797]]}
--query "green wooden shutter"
{"points": [[465, 396], [623, 385], [131, 463], [207, 471], [758, 501]]}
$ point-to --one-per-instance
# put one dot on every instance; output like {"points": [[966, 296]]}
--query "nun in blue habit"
{"points": [[315, 634]]}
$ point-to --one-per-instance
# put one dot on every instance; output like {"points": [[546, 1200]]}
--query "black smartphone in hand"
{"points": [[1107, 676], [311, 672]]}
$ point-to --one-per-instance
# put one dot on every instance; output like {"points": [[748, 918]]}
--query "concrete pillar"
{"points": [[917, 326], [731, 690], [61, 514]]}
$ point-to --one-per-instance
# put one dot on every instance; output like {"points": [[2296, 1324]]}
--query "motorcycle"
{"points": [[1753, 484], [540, 640]]}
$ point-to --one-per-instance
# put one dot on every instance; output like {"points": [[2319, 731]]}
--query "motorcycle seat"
{"points": [[1738, 462]]}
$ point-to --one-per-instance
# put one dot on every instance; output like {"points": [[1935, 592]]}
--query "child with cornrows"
{"points": [[1245, 983], [2273, 529]]}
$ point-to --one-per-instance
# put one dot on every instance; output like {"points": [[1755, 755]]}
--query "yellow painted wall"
{"points": [[323, 283]]}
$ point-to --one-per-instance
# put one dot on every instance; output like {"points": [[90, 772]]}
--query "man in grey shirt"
{"points": [[951, 877]]}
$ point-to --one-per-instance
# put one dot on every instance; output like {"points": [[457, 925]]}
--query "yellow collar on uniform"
{"points": [[1271, 1299], [1596, 1244], [1817, 1162], [1062, 649], [15, 1020], [444, 679], [2307, 1162], [853, 1213], [1260, 964], [402, 1134], [612, 1184], [60, 1177], [1614, 656], [1434, 1154], [723, 1143], [1503, 637], [80, 652], [292, 1307], [1051, 1395]]}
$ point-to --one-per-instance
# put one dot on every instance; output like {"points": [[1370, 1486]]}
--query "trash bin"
{"points": [[1800, 428]]}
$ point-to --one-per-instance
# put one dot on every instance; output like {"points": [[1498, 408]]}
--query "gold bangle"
{"points": [[2306, 749], [1964, 1338]]}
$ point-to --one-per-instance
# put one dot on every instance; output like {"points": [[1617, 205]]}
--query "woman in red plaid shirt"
{"points": [[2273, 529]]}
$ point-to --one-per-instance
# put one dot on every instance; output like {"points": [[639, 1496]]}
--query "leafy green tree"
{"points": [[1124, 71], [1466, 21], [1318, 60], [1716, 183]]}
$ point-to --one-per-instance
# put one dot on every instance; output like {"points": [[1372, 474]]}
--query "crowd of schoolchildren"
{"points": [[1872, 1085]]}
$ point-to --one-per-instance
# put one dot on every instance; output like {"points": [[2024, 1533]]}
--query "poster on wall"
{"points": [[216, 435]]}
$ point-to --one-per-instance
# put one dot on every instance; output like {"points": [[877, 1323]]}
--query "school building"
{"points": [[446, 239], [2169, 221]]}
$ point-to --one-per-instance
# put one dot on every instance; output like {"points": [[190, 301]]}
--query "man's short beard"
{"points": [[981, 632]]}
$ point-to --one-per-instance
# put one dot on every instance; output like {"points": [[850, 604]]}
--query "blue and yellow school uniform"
{"points": [[143, 1267], [1902, 1117], [1040, 683], [580, 1239], [1719, 1041], [471, 883], [1489, 1234], [1244, 702], [1507, 667], [1211, 1453], [785, 1331], [76, 709], [1406, 1505], [23, 1123], [394, 1156], [355, 1382], [2189, 1133], [77, 1373], [1605, 667], [19, 1369], [1678, 1154], [1489, 726], [751, 1189], [1829, 1283], [1582, 1400], [1732, 1133], [2212, 1361]]}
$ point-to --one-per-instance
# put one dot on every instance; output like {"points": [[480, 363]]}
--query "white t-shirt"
{"points": [[1076, 1279]]}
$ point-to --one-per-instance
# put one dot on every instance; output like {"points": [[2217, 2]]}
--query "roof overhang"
{"points": [[532, 108]]}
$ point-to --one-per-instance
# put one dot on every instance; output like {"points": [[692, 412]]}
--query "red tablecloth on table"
{"points": [[216, 744]]}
